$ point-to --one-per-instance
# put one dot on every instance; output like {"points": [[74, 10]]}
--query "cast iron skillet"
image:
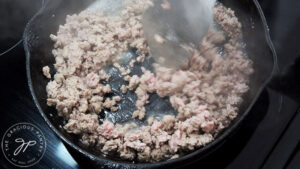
{"points": [[38, 46]]}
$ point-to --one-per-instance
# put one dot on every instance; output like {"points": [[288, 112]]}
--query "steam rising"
{"points": [[184, 22], [108, 6]]}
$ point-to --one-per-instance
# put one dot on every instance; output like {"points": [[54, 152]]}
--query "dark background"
{"points": [[269, 139]]}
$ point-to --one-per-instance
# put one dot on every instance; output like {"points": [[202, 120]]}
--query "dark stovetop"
{"points": [[268, 140]]}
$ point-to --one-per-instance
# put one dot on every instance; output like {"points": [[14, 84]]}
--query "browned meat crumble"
{"points": [[205, 93]]}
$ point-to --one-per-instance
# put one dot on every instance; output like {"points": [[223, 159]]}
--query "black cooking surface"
{"points": [[268, 140]]}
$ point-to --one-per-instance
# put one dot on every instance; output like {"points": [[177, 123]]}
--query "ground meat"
{"points": [[205, 93], [110, 103], [89, 139], [150, 121], [142, 100], [175, 83], [123, 89], [226, 18], [134, 81], [46, 72], [145, 155], [107, 88], [140, 113], [59, 78], [127, 78], [127, 153], [96, 104], [82, 123], [111, 145], [103, 75], [140, 58], [92, 80], [122, 69], [148, 81], [132, 62], [168, 122], [107, 130]]}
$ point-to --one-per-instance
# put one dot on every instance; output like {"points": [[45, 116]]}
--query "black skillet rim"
{"points": [[218, 140]]}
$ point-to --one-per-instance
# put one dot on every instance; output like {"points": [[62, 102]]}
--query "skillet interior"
{"points": [[38, 48]]}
